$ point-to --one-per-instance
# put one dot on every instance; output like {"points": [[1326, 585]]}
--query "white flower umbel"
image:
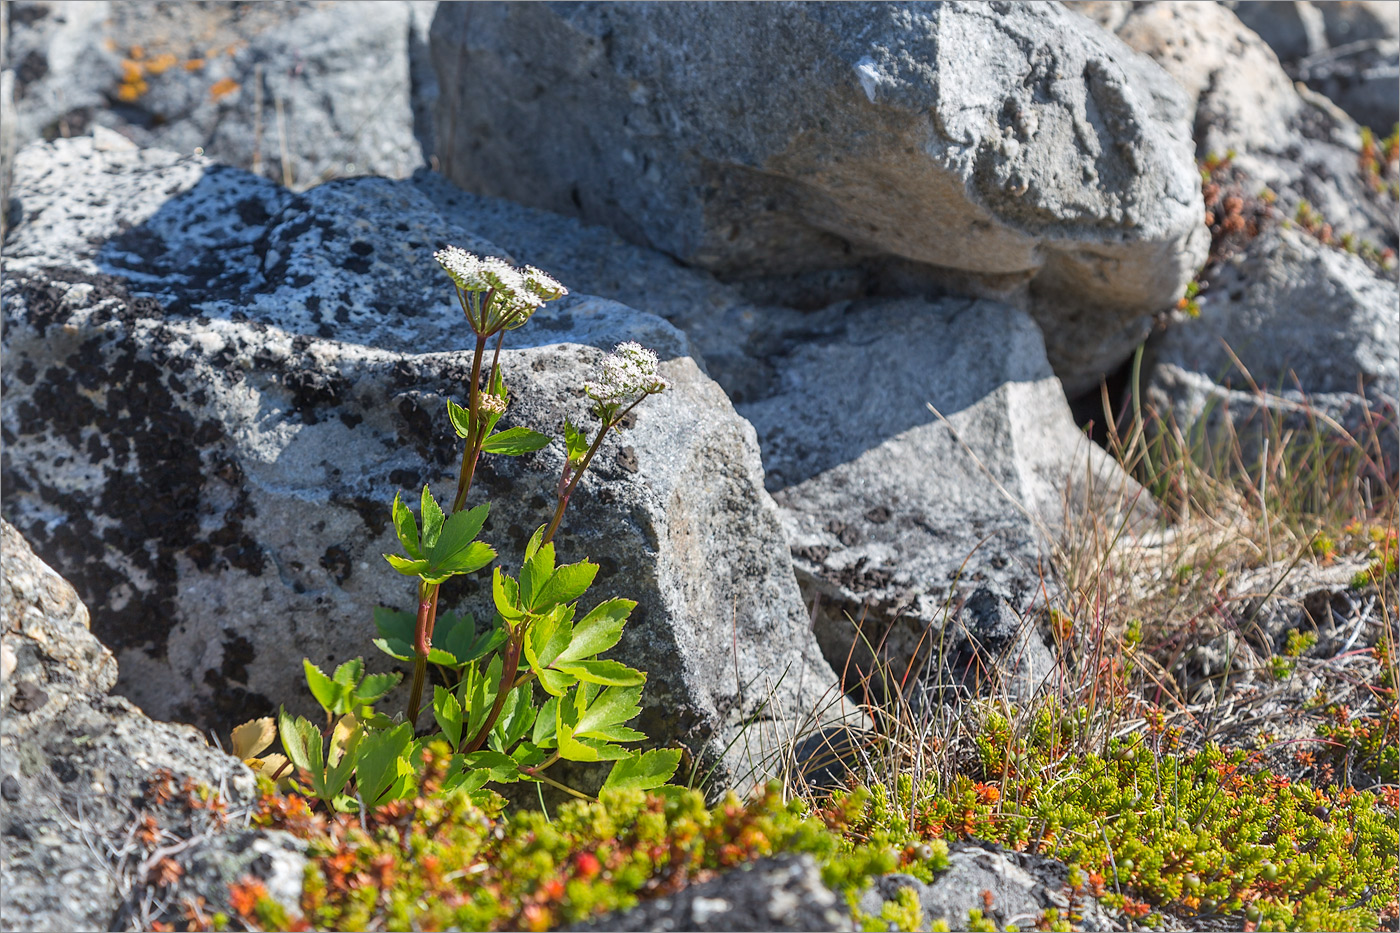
{"points": [[623, 378], [463, 267], [495, 295], [541, 283]]}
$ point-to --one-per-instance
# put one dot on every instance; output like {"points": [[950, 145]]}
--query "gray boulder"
{"points": [[223, 494], [1363, 78], [1283, 136], [1013, 151], [298, 91], [784, 892], [1022, 889], [896, 514], [1314, 328], [83, 773]]}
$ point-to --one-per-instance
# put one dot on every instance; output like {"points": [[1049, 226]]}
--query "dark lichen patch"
{"points": [[338, 563]]}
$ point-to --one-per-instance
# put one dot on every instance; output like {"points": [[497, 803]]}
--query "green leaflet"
{"points": [[599, 630], [513, 442], [645, 771]]}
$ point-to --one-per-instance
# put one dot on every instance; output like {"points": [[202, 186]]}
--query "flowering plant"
{"points": [[486, 709]]}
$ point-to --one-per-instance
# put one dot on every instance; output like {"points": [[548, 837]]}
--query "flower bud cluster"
{"points": [[495, 295]]}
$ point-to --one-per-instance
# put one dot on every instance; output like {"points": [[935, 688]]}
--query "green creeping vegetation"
{"points": [[442, 861], [1193, 835]]}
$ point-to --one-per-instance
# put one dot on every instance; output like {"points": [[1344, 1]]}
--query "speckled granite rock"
{"points": [[299, 90], [80, 768], [235, 412], [896, 515], [1013, 150], [1021, 887], [784, 892]]}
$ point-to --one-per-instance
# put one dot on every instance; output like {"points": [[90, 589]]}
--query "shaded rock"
{"points": [[784, 892], [823, 760], [1022, 887], [1286, 138], [1059, 175], [1363, 78], [1360, 20], [298, 91], [1294, 29], [228, 473], [987, 650], [894, 514], [84, 769], [1312, 326]]}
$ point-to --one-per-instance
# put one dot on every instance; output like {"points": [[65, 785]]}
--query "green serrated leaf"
{"points": [[392, 623], [375, 686], [613, 706], [503, 768], [535, 573], [460, 417], [349, 673], [293, 740], [514, 442], [469, 559], [433, 518], [325, 690], [543, 733], [566, 584], [486, 642], [448, 713], [517, 716], [409, 568], [457, 532], [533, 545], [608, 672], [599, 630], [645, 771], [481, 695], [395, 648], [406, 528], [556, 683], [618, 733], [380, 761], [506, 594]]}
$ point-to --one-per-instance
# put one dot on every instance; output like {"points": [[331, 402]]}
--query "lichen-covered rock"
{"points": [[1007, 149], [895, 514], [784, 892], [94, 794], [223, 472], [298, 91]]}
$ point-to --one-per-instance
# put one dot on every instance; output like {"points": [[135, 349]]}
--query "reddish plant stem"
{"points": [[567, 492], [510, 663], [422, 642]]}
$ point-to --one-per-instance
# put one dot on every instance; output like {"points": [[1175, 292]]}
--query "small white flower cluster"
{"points": [[512, 294], [492, 404], [624, 376]]}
